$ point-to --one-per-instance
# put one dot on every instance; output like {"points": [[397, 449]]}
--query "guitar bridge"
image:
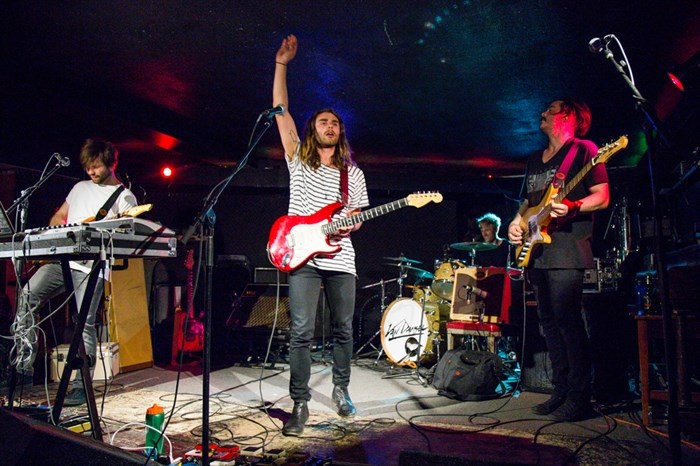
{"points": [[286, 259]]}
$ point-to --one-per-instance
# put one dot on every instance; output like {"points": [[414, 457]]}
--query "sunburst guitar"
{"points": [[535, 220], [294, 239]]}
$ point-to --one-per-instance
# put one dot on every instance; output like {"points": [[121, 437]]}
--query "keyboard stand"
{"points": [[76, 358]]}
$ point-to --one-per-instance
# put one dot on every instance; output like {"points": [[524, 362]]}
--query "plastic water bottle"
{"points": [[154, 418]]}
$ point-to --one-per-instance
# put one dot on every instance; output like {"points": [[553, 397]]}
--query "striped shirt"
{"points": [[310, 190]]}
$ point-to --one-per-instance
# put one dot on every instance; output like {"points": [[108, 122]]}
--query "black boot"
{"points": [[295, 425], [342, 400], [550, 405]]}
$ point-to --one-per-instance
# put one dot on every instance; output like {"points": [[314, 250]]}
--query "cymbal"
{"points": [[473, 246], [402, 259], [420, 273]]}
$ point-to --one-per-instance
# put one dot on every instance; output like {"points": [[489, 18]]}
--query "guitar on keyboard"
{"points": [[535, 220], [294, 239], [133, 212]]}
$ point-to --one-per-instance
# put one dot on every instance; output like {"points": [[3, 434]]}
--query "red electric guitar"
{"points": [[187, 338], [294, 239], [535, 220]]}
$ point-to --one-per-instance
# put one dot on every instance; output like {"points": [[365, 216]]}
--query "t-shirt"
{"points": [[571, 240], [497, 257], [310, 190], [86, 199]]}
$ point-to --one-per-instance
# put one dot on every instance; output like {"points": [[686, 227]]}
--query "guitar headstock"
{"points": [[138, 210], [421, 199], [607, 151]]}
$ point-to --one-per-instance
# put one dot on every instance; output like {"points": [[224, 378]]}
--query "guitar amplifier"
{"points": [[257, 305], [106, 368]]}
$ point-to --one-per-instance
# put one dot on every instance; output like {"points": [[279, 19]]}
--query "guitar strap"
{"points": [[344, 185], [560, 175], [102, 213]]}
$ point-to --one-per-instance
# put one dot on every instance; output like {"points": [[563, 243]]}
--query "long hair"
{"points": [[581, 112], [342, 156], [98, 149]]}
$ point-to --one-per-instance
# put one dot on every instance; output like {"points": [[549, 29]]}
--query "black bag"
{"points": [[469, 375]]}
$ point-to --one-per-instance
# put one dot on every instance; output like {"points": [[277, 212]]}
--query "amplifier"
{"points": [[106, 368]]}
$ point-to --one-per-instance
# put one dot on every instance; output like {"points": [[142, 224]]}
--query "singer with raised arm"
{"points": [[556, 270], [99, 197], [321, 172]]}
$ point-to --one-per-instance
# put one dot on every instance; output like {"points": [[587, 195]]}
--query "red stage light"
{"points": [[686, 75], [167, 172]]}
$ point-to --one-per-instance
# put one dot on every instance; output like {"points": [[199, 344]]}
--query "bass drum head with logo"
{"points": [[407, 332]]}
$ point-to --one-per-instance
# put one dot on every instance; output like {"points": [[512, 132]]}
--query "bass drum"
{"points": [[407, 332]]}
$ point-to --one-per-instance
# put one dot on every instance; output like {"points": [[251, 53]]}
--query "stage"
{"points": [[400, 420]]}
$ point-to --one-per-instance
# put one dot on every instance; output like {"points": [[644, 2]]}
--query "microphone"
{"points": [[477, 291], [270, 112], [597, 44], [62, 161]]}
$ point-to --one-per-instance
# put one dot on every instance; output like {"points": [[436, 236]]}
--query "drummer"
{"points": [[489, 224]]}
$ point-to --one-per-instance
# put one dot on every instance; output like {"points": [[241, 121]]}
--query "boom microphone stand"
{"points": [[22, 205], [205, 220], [669, 338]]}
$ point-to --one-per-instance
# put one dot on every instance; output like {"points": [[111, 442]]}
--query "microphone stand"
{"points": [[22, 200], [206, 219], [22, 204], [674, 433]]}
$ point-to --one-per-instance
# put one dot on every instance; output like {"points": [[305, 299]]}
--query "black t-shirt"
{"points": [[493, 257], [571, 241]]}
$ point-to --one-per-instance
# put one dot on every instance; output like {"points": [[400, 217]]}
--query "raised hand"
{"points": [[287, 50]]}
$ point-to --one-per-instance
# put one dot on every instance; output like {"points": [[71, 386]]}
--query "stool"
{"points": [[477, 329], [650, 327]]}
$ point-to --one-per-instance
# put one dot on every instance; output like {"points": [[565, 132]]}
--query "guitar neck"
{"points": [[561, 195], [374, 212]]}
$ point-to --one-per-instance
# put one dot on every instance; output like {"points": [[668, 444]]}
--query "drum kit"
{"points": [[412, 326]]}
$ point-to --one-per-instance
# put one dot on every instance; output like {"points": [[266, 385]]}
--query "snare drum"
{"points": [[408, 332]]}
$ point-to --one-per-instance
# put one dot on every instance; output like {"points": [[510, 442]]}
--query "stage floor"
{"points": [[400, 420]]}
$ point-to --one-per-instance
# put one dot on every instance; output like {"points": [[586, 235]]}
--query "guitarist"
{"points": [[315, 164], [100, 196], [556, 271]]}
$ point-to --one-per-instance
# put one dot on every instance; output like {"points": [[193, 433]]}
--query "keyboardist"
{"points": [[102, 196]]}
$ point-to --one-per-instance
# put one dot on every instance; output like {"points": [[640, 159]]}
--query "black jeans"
{"points": [[559, 294], [304, 289]]}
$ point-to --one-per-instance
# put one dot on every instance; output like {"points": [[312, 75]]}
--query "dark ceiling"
{"points": [[446, 89]]}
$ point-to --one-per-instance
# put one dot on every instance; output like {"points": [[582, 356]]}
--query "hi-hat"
{"points": [[473, 246], [402, 259]]}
